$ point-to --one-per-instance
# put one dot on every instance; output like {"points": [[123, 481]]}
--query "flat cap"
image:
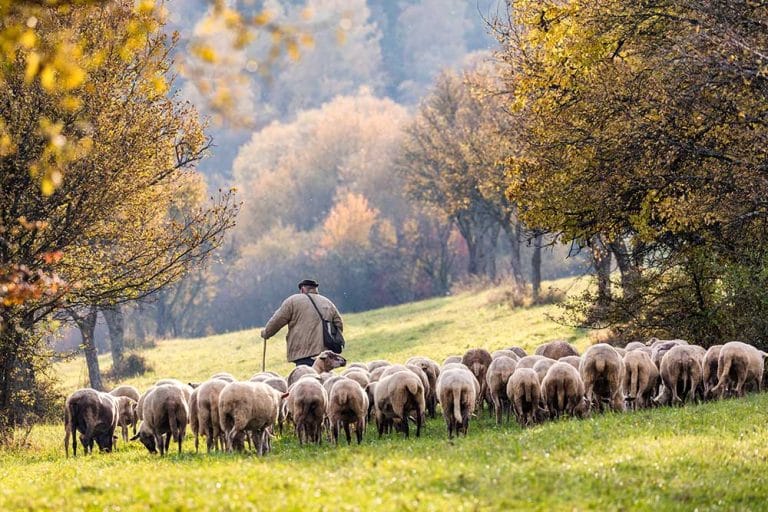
{"points": [[308, 282]]}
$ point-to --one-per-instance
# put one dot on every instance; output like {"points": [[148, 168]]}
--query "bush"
{"points": [[131, 366]]}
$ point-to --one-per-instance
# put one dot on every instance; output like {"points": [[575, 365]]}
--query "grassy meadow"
{"points": [[712, 456]]}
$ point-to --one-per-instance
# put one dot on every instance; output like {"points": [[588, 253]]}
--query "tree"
{"points": [[109, 221], [643, 118]]}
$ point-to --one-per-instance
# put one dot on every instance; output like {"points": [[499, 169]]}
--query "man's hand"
{"points": [[264, 334]]}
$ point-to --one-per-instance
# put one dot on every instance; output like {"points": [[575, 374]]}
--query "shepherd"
{"points": [[303, 313]]}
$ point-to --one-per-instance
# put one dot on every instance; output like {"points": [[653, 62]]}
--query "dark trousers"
{"points": [[305, 361]]}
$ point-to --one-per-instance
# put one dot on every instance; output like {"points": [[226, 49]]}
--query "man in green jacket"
{"points": [[305, 330]]}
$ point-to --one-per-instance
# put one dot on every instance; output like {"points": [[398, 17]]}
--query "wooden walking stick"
{"points": [[264, 356]]}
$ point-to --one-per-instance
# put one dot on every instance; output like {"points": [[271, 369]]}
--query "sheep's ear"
{"points": [[284, 395]]}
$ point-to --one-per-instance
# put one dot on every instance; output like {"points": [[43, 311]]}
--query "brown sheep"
{"points": [[377, 372], [362, 366], [207, 409], [739, 364], [574, 361], [562, 391], [505, 352], [682, 374], [126, 415], [396, 396], [634, 345], [132, 393], [602, 371], [125, 390], [457, 393], [497, 376], [641, 379], [95, 415], [541, 368], [307, 403], [166, 413], [452, 359], [298, 373], [556, 349], [478, 360], [661, 347], [372, 365], [530, 361], [432, 371], [249, 409], [347, 405], [328, 360], [524, 391], [521, 353], [360, 377], [710, 373]]}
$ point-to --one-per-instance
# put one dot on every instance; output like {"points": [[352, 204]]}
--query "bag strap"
{"points": [[316, 308]]}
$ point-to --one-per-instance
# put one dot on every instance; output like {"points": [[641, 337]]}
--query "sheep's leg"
{"points": [[359, 429], [347, 432], [335, 432]]}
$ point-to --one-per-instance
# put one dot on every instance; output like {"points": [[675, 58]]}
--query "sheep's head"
{"points": [[105, 440], [330, 360], [147, 439]]}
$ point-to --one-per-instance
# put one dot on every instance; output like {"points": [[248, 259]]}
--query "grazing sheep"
{"points": [[396, 396], [556, 349], [370, 390], [634, 345], [95, 415], [521, 353], [125, 390], [328, 383], [186, 389], [541, 367], [452, 359], [307, 403], [710, 373], [457, 393], [207, 409], [505, 352], [574, 361], [562, 391], [227, 377], [524, 391], [362, 366], [194, 424], [248, 408], [298, 373], [602, 371], [497, 376], [661, 347], [432, 371], [739, 364], [360, 377], [641, 378], [377, 372], [682, 374], [166, 413], [347, 405], [278, 383], [127, 414], [478, 360], [372, 365], [530, 361], [140, 404]]}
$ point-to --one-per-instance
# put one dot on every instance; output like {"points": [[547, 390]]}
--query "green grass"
{"points": [[707, 457]]}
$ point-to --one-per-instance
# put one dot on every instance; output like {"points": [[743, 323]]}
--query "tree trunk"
{"points": [[536, 266], [627, 267], [512, 230], [116, 325], [601, 260], [87, 326]]}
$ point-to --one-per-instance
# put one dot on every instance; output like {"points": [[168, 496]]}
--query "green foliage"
{"points": [[626, 142]]}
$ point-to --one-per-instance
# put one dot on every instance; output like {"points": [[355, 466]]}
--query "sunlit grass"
{"points": [[712, 456]]}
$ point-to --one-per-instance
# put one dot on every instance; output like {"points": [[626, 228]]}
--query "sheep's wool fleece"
{"points": [[305, 332]]}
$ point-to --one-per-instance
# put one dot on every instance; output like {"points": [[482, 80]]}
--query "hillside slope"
{"points": [[436, 327]]}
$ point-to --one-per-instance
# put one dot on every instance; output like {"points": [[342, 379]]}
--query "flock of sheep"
{"points": [[555, 381]]}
